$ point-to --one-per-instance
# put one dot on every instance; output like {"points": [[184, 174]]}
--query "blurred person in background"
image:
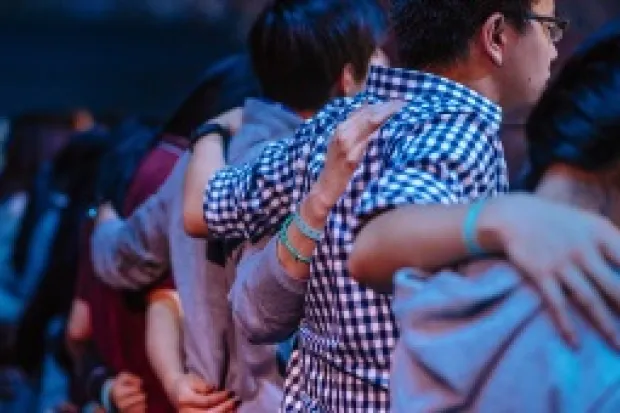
{"points": [[106, 331], [60, 198], [121, 368], [33, 141]]}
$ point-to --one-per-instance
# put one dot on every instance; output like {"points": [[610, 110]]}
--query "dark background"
{"points": [[143, 56]]}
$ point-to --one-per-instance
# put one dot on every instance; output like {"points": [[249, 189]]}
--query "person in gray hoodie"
{"points": [[131, 253]]}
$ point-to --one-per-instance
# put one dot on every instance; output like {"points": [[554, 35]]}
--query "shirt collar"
{"points": [[405, 84]]}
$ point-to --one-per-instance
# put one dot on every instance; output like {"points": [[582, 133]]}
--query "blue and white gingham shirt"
{"points": [[442, 147]]}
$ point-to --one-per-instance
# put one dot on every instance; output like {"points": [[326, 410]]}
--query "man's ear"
{"points": [[347, 86], [494, 37]]}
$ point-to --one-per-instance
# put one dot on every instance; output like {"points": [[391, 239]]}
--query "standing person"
{"points": [[480, 338], [131, 252], [442, 148]]}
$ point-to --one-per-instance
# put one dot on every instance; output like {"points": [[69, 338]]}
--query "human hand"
{"points": [[561, 250], [192, 394], [106, 212], [127, 394], [230, 120], [347, 149]]}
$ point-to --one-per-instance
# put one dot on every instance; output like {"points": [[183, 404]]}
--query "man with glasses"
{"points": [[555, 26], [464, 62]]}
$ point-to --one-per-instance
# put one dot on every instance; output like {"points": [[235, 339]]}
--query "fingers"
{"points": [[228, 406], [366, 120], [607, 280], [606, 276], [611, 243], [124, 392], [554, 298], [129, 380], [211, 400], [382, 111], [132, 402], [356, 153], [592, 304], [138, 408]]}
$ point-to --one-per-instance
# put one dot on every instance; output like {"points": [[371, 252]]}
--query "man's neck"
{"points": [[473, 79], [566, 185], [305, 114]]}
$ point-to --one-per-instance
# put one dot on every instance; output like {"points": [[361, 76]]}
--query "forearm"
{"points": [[426, 237], [260, 278], [164, 341], [275, 272], [314, 210], [207, 158], [131, 253]]}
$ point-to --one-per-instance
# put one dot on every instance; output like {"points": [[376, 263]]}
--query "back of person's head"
{"points": [[501, 38], [300, 48], [224, 86], [577, 121], [75, 168], [437, 33]]}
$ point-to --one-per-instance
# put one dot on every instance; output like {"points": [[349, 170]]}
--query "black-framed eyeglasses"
{"points": [[555, 26]]}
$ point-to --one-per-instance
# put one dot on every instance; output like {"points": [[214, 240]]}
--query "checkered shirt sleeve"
{"points": [[249, 201], [451, 159]]}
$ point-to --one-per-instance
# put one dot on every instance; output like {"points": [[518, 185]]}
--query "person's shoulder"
{"points": [[333, 113]]}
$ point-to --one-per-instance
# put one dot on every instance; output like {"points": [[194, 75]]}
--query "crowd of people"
{"points": [[326, 224]]}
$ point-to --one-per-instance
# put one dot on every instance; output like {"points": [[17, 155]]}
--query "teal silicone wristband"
{"points": [[283, 238], [470, 229], [307, 230]]}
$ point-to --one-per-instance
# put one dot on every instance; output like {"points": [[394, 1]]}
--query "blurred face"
{"points": [[527, 62]]}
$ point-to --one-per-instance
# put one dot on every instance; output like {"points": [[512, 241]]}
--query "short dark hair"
{"points": [[224, 86], [437, 33], [300, 47], [577, 120]]}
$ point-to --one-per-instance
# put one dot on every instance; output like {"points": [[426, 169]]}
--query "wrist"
{"points": [[170, 384], [316, 206], [207, 141], [491, 229], [105, 213], [213, 131]]}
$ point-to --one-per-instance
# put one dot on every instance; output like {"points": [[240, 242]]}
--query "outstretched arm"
{"points": [[557, 247], [274, 271]]}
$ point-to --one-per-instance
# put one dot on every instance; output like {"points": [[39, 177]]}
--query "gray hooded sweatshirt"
{"points": [[131, 254]]}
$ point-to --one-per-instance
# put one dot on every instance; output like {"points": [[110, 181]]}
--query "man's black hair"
{"points": [[299, 48], [437, 33]]}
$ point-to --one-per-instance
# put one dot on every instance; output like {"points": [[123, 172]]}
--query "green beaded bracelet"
{"points": [[307, 230], [283, 238]]}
